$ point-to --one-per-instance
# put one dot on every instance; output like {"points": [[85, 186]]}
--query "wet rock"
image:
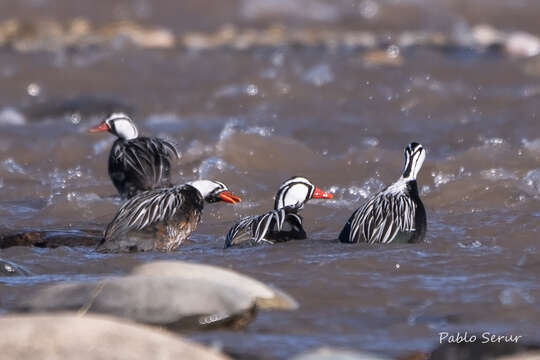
{"points": [[521, 45], [486, 36], [264, 296], [152, 300], [9, 268], [138, 35], [51, 238], [382, 58], [80, 34], [50, 35], [173, 294], [326, 353], [65, 336]]}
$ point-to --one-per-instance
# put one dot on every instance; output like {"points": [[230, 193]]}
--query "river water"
{"points": [[254, 117]]}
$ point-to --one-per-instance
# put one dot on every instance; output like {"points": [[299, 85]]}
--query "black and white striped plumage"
{"points": [[281, 224], [164, 218], [395, 213], [136, 163]]}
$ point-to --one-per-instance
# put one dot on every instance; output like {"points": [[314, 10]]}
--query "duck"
{"points": [[281, 224], [162, 219], [395, 214], [136, 163]]}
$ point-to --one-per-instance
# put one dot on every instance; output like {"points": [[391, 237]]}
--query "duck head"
{"points": [[296, 191], [214, 191], [118, 124], [415, 154]]}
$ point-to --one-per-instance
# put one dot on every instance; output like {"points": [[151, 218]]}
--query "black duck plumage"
{"points": [[140, 164], [136, 163]]}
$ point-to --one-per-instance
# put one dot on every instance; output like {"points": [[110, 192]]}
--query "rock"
{"points": [[381, 58], [138, 35], [51, 35], [172, 294], [326, 353], [486, 36], [522, 45], [65, 336], [264, 296], [152, 300], [51, 239]]}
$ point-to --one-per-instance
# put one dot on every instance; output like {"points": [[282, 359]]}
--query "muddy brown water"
{"points": [[255, 117]]}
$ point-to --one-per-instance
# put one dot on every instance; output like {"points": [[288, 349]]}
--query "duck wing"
{"points": [[141, 164], [380, 219], [145, 209], [255, 228]]}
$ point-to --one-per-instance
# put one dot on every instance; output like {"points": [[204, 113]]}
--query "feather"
{"points": [[143, 210], [264, 228], [380, 219], [140, 164]]}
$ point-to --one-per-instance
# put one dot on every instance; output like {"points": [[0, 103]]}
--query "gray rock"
{"points": [[173, 294], [92, 337], [50, 238], [265, 297], [326, 353]]}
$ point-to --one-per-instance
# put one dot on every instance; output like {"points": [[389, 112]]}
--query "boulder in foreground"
{"points": [[92, 337], [173, 294], [265, 297]]}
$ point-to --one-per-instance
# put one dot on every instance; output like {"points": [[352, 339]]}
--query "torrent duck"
{"points": [[136, 163], [281, 224], [394, 214], [163, 218]]}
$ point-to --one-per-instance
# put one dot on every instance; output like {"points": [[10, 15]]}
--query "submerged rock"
{"points": [[50, 238], [64, 336], [173, 294]]}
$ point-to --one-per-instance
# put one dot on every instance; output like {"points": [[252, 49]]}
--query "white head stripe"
{"points": [[206, 187], [294, 192]]}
